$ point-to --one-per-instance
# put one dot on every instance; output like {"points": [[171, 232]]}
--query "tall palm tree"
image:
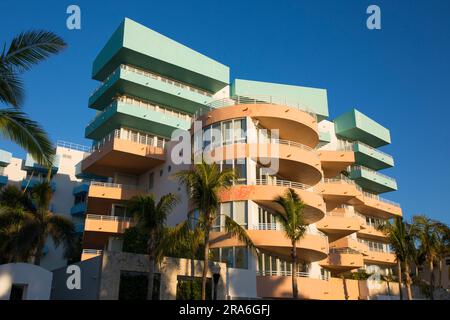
{"points": [[151, 217], [25, 232], [293, 222], [204, 182], [442, 246], [25, 50], [427, 232], [402, 241]]}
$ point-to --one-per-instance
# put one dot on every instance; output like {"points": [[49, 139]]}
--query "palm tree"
{"points": [[204, 182], [25, 231], [150, 218], [402, 241], [25, 50], [427, 232], [442, 246], [292, 221]]}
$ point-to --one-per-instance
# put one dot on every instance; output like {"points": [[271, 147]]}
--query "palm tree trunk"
{"points": [[399, 273], [192, 277], [431, 279], [417, 272], [39, 251], [408, 281], [205, 263], [294, 270], [151, 276], [440, 273]]}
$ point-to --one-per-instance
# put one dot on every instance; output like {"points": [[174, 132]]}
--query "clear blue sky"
{"points": [[398, 76]]}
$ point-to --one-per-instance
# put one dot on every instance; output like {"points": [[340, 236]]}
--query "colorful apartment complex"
{"points": [[68, 191], [152, 85]]}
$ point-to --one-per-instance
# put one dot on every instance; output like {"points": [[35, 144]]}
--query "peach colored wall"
{"points": [[123, 193], [338, 223], [370, 205], [268, 193], [109, 226], [344, 260], [316, 289]]}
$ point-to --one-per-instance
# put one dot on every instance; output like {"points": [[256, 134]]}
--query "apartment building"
{"points": [[151, 86], [68, 192]]}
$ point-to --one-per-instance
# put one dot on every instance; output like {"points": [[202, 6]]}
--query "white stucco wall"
{"points": [[38, 281]]}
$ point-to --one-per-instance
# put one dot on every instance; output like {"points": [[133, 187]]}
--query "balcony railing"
{"points": [[287, 143], [362, 168], [275, 226], [282, 183], [108, 218], [117, 185], [144, 105], [154, 76], [371, 148], [73, 146], [92, 251], [133, 136], [377, 197], [341, 180], [285, 273], [344, 250], [255, 99]]}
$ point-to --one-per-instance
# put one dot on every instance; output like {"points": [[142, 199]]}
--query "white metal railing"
{"points": [[255, 99], [374, 246], [108, 218], [362, 168], [131, 135], [154, 76], [266, 226], [372, 148], [116, 185], [282, 183], [287, 143], [144, 105], [344, 250], [73, 146], [285, 273], [377, 197], [313, 231], [341, 179], [344, 145], [92, 251]]}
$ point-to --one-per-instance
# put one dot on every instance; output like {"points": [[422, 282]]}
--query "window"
{"points": [[161, 172], [151, 180], [18, 292], [234, 257], [236, 210], [169, 169]]}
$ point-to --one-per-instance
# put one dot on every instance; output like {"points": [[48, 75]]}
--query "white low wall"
{"points": [[38, 280]]}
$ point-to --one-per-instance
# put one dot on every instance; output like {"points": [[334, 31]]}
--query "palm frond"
{"points": [[236, 230], [12, 90], [62, 231], [17, 127], [31, 47]]}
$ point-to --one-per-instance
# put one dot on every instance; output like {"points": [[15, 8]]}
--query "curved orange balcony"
{"points": [[293, 124], [343, 260], [385, 258], [312, 247], [348, 242], [376, 206], [337, 191], [371, 232], [339, 226], [334, 162], [264, 192], [296, 161]]}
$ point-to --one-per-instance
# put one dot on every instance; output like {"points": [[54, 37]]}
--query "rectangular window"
{"points": [[239, 131], [240, 213], [241, 170], [18, 292], [227, 132], [241, 258]]}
